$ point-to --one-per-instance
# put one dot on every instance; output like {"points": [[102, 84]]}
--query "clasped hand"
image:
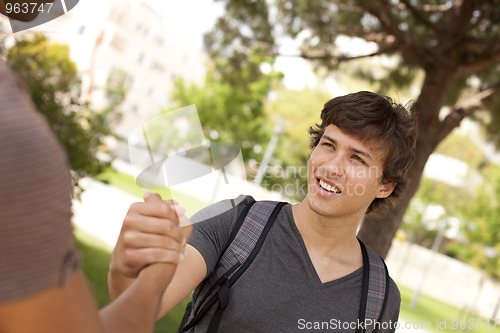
{"points": [[150, 234]]}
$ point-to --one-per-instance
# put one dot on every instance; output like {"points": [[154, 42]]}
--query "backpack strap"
{"points": [[375, 290], [246, 239]]}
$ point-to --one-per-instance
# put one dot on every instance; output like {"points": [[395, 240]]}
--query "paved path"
{"points": [[101, 210]]}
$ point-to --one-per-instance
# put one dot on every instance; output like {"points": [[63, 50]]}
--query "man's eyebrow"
{"points": [[360, 152], [357, 151], [329, 139]]}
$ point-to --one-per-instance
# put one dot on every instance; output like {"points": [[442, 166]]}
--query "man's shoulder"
{"points": [[228, 206]]}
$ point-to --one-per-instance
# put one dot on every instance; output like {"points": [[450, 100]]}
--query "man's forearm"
{"points": [[117, 283], [137, 307]]}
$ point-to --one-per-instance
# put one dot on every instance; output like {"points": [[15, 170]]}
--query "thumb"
{"points": [[151, 197]]}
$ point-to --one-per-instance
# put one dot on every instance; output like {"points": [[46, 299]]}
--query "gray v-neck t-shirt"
{"points": [[281, 291]]}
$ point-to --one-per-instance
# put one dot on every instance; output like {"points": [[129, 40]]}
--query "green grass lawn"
{"points": [[432, 311], [95, 261]]}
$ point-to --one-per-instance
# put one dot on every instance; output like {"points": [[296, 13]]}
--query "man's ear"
{"points": [[386, 190]]}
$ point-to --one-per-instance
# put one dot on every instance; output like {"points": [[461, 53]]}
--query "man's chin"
{"points": [[317, 208]]}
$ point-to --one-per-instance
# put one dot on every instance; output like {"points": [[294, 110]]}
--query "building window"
{"points": [[81, 31], [130, 82], [140, 59], [118, 42], [136, 109], [157, 67]]}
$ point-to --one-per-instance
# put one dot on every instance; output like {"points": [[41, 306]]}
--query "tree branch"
{"points": [[435, 8], [419, 16], [340, 58], [461, 20], [383, 13], [463, 110], [412, 51], [478, 63], [486, 11]]}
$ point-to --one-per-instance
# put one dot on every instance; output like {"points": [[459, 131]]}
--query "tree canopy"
{"points": [[482, 228], [52, 80], [231, 110], [451, 49]]}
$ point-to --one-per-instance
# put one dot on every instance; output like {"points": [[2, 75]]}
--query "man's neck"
{"points": [[331, 243], [328, 234]]}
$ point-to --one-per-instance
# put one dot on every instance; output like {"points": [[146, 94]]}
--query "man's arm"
{"points": [[140, 303], [71, 308], [188, 275]]}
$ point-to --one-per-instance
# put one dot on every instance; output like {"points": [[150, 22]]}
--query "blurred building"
{"points": [[131, 36]]}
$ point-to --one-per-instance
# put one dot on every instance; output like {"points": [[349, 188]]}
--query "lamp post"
{"points": [[278, 129]]}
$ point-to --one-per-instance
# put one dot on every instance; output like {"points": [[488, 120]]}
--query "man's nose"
{"points": [[335, 167]]}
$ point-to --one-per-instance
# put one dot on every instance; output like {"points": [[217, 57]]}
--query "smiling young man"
{"points": [[308, 274]]}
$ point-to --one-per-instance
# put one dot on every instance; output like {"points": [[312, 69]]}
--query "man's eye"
{"points": [[359, 159], [329, 145]]}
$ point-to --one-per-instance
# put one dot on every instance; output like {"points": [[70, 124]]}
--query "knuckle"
{"points": [[156, 196], [136, 206], [167, 243], [162, 255], [171, 229], [170, 202], [164, 209], [131, 258], [128, 221], [129, 239], [168, 226], [157, 254]]}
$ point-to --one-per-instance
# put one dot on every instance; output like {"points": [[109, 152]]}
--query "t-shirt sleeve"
{"points": [[390, 316], [36, 242], [212, 228]]}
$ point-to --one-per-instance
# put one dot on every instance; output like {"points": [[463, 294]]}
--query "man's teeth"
{"points": [[328, 187]]}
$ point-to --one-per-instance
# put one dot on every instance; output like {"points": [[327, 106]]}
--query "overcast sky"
{"points": [[192, 18]]}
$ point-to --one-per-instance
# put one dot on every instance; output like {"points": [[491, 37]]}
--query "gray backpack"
{"points": [[246, 239]]}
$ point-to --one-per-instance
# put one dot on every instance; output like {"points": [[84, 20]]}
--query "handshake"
{"points": [[151, 233], [153, 243]]}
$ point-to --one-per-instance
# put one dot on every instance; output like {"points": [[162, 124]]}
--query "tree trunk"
{"points": [[378, 231]]}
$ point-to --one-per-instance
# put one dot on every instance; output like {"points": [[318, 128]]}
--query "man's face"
{"points": [[344, 175]]}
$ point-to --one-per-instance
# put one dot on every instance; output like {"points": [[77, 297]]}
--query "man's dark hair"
{"points": [[375, 118]]}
